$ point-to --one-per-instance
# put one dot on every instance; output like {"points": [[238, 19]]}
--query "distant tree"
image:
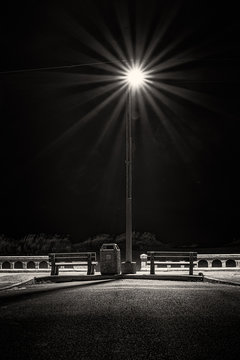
{"points": [[141, 241], [120, 239], [93, 243], [42, 244], [7, 245], [148, 241], [35, 244]]}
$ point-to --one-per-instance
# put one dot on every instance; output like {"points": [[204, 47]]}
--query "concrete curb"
{"points": [[68, 278], [26, 282], [164, 277], [218, 281]]}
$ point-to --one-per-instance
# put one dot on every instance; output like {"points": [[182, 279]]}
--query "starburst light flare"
{"points": [[135, 77]]}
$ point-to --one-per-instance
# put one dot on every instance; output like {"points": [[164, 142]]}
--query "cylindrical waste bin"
{"points": [[110, 259]]}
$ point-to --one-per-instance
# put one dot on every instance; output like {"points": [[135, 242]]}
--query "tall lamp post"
{"points": [[135, 78]]}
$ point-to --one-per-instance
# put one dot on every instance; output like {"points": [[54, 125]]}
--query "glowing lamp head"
{"points": [[135, 77]]}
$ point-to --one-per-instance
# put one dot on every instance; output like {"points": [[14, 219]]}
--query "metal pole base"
{"points": [[128, 267]]}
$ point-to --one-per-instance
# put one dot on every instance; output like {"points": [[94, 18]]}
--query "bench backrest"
{"points": [[81, 256], [172, 255]]}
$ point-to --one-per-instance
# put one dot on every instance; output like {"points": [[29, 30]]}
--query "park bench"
{"points": [[65, 259], [171, 258]]}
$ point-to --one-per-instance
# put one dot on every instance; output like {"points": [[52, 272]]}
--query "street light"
{"points": [[135, 78]]}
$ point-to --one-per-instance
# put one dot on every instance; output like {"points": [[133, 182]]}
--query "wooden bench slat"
{"points": [[171, 262], [73, 256], [73, 263], [173, 253], [73, 259], [69, 254], [171, 258]]}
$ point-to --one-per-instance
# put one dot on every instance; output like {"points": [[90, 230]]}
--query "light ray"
{"points": [[194, 54], [192, 135], [111, 174], [97, 47], [191, 54], [105, 65], [88, 40], [100, 23], [166, 51], [94, 79], [147, 130], [82, 122], [187, 142], [193, 75], [122, 13], [168, 64], [159, 33], [171, 130], [192, 96], [143, 21], [110, 123], [89, 95], [92, 43]]}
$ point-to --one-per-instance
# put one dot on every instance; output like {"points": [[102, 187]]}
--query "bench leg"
{"points": [[191, 265], [53, 269], [92, 269], [152, 270], [56, 270], [191, 269], [89, 270]]}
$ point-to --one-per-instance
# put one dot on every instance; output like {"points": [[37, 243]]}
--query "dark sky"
{"points": [[62, 173]]}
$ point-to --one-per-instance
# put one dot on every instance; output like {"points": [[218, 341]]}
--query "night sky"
{"points": [[63, 131]]}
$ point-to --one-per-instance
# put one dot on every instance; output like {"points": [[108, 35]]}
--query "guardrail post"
{"points": [[152, 265]]}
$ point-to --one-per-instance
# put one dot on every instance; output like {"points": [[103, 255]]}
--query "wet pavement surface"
{"points": [[115, 319]]}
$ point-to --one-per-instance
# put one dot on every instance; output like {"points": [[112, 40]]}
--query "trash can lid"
{"points": [[110, 246]]}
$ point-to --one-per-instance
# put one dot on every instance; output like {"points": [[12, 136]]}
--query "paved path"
{"points": [[8, 279], [225, 276], [123, 319]]}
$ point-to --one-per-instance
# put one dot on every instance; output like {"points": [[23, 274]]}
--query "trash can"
{"points": [[110, 259]]}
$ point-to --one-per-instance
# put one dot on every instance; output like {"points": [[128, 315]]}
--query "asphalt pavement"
{"points": [[121, 319]]}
